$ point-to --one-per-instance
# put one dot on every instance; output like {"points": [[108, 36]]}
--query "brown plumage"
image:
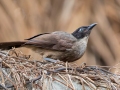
{"points": [[56, 45]]}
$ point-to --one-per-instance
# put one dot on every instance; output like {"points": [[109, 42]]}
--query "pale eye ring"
{"points": [[80, 29]]}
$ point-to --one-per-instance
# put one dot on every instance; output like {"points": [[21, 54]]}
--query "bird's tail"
{"points": [[10, 45]]}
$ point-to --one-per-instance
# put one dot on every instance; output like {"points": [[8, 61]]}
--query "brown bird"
{"points": [[56, 45]]}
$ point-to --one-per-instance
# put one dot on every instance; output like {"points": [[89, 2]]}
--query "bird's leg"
{"points": [[48, 59]]}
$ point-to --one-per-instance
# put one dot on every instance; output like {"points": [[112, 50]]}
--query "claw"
{"points": [[50, 60]]}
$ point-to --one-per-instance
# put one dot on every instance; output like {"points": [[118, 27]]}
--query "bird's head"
{"points": [[83, 31]]}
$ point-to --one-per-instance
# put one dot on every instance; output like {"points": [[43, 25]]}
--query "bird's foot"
{"points": [[50, 60]]}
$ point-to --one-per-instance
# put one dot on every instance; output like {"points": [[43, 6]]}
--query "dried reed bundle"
{"points": [[19, 73]]}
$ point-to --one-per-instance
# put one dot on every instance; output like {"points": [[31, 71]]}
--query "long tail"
{"points": [[9, 45]]}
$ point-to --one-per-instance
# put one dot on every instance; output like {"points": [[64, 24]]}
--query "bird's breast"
{"points": [[80, 47]]}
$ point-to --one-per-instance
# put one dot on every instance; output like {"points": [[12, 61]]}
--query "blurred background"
{"points": [[21, 19]]}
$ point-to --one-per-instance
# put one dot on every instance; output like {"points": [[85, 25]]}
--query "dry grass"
{"points": [[20, 73]]}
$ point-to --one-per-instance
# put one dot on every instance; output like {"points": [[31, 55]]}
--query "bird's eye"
{"points": [[80, 29]]}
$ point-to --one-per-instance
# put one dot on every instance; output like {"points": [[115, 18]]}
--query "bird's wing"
{"points": [[36, 36], [54, 41]]}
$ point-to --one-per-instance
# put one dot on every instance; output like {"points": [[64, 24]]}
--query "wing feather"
{"points": [[54, 41]]}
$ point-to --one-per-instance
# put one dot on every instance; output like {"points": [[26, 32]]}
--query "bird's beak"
{"points": [[91, 26]]}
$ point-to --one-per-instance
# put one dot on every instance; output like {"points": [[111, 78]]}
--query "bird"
{"points": [[57, 45]]}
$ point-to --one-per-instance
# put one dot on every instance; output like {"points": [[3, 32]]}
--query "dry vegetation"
{"points": [[17, 72], [21, 19]]}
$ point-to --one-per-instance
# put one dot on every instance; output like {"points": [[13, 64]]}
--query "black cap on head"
{"points": [[83, 31]]}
